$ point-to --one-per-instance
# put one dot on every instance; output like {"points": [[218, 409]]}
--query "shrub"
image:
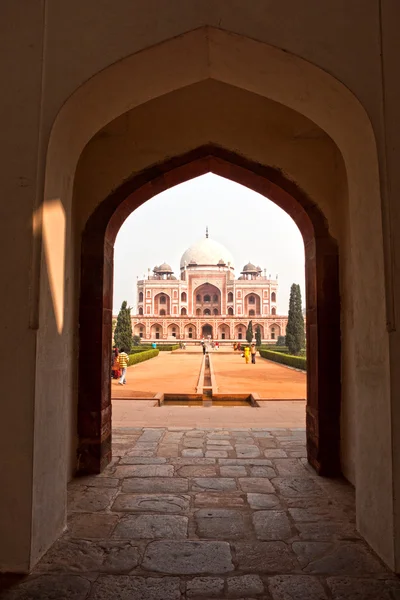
{"points": [[295, 324], [249, 332], [137, 349], [281, 341], [138, 357], [168, 347], [298, 362], [274, 348], [123, 328]]}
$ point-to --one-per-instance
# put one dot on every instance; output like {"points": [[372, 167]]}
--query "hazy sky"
{"points": [[251, 227]]}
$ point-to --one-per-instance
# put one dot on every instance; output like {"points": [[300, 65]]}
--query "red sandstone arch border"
{"points": [[322, 292]]}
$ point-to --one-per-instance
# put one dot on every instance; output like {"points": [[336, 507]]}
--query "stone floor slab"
{"points": [[275, 453], [165, 503], [259, 485], [205, 587], [132, 588], [233, 471], [188, 558], [192, 452], [265, 557], [193, 443], [262, 472], [49, 587], [350, 559], [134, 460], [246, 451], [220, 500], [244, 586], [216, 484], [144, 471], [300, 587], [297, 487], [350, 588], [290, 466], [220, 523], [246, 462], [91, 525], [151, 527], [90, 499], [216, 454], [197, 471], [90, 557], [154, 485], [262, 501], [272, 525], [167, 451]]}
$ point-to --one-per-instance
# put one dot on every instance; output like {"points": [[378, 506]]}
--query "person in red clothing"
{"points": [[116, 371]]}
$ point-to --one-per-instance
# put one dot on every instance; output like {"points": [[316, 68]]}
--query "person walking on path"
{"points": [[204, 347], [123, 364], [253, 351], [247, 355], [115, 369]]}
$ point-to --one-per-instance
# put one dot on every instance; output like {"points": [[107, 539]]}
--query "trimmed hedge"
{"points": [[298, 362], [274, 348], [168, 347], [161, 348], [139, 357], [137, 349]]}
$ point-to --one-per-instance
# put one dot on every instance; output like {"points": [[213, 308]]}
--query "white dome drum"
{"points": [[206, 252]]}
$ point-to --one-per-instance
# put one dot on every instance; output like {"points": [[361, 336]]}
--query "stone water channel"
{"points": [[207, 395]]}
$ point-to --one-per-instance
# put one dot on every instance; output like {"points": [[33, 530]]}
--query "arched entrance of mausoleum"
{"points": [[207, 331], [339, 210]]}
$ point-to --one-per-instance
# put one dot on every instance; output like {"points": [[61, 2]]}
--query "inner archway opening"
{"points": [[323, 458]]}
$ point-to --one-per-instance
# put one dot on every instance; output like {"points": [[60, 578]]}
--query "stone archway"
{"points": [[207, 331], [323, 306]]}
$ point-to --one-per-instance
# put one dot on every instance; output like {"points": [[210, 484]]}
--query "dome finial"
{"points": [[206, 231]]}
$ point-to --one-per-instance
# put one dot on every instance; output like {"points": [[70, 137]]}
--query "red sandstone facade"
{"points": [[207, 300]]}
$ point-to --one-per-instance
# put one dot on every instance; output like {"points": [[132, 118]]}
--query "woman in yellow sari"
{"points": [[247, 355]]}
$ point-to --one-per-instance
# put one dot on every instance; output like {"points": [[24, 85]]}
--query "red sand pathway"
{"points": [[266, 378], [169, 372], [178, 372]]}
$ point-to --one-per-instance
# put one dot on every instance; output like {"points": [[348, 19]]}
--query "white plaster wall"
{"points": [[20, 56]]}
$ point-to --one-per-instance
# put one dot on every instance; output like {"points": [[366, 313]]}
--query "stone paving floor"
{"points": [[207, 513]]}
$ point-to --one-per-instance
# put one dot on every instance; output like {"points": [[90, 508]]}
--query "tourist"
{"points": [[123, 359], [115, 369], [235, 346], [154, 345], [246, 353], [253, 351], [204, 347], [217, 345]]}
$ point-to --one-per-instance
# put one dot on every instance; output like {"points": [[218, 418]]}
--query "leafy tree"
{"points": [[136, 340], [123, 329], [295, 328], [281, 341], [249, 332], [258, 336]]}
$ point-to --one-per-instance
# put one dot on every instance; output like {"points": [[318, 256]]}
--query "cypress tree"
{"points": [[295, 328], [258, 336], [123, 329], [249, 332]]}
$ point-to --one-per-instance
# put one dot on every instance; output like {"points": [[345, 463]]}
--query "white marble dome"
{"points": [[206, 252]]}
